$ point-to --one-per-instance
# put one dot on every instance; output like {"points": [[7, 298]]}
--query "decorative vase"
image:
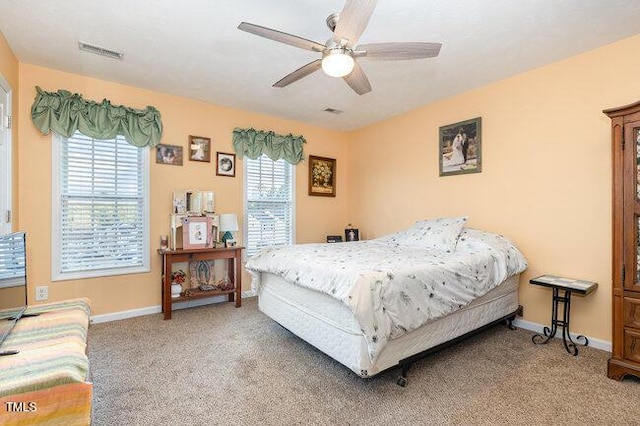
{"points": [[176, 289], [225, 283]]}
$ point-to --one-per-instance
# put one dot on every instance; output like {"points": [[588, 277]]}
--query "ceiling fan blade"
{"points": [[301, 72], [285, 38], [353, 20], [358, 80], [399, 51]]}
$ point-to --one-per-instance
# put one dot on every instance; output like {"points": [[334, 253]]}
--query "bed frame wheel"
{"points": [[402, 381]]}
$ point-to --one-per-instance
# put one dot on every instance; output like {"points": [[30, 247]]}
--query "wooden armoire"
{"points": [[625, 135]]}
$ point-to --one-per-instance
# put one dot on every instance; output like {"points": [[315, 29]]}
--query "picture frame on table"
{"points": [[322, 176], [202, 272], [225, 164], [200, 149], [460, 147], [196, 232]]}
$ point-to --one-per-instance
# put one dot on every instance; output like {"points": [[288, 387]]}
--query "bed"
{"points": [[376, 304]]}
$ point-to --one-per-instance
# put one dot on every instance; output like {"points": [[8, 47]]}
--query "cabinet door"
{"points": [[632, 312], [632, 205], [632, 345]]}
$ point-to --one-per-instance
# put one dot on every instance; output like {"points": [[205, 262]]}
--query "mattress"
{"points": [[330, 326]]}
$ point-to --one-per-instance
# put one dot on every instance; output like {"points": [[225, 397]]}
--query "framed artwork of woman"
{"points": [[460, 147]]}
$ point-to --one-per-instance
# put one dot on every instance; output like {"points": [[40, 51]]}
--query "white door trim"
{"points": [[6, 159]]}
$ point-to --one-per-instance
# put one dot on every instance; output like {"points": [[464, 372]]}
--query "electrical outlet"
{"points": [[42, 292]]}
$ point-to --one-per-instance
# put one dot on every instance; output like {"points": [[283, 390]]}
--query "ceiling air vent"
{"points": [[333, 111], [109, 53]]}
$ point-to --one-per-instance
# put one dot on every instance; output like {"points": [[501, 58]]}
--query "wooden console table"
{"points": [[169, 257]]}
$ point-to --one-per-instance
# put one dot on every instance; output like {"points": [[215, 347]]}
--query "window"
{"points": [[269, 187], [12, 260], [100, 207]]}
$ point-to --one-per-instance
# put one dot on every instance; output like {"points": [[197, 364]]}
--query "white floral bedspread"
{"points": [[393, 289]]}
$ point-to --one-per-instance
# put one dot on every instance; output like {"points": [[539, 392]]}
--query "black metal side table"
{"points": [[566, 286]]}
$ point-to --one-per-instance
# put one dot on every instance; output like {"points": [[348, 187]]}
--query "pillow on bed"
{"points": [[435, 234]]}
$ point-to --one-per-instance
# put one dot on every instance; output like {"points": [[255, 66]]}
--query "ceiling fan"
{"points": [[340, 51]]}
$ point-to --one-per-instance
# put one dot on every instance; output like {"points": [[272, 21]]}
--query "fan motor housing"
{"points": [[332, 21]]}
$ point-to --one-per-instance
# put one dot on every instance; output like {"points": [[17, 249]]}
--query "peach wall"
{"points": [[546, 179], [545, 182], [315, 216], [9, 69]]}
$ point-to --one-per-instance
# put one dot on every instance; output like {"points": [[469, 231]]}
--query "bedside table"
{"points": [[567, 286]]}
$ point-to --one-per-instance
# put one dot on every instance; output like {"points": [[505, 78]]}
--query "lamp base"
{"points": [[226, 237]]}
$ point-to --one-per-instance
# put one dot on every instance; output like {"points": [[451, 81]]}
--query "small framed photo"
{"points": [[196, 232], [226, 164], [169, 154], [322, 176], [460, 148], [199, 149]]}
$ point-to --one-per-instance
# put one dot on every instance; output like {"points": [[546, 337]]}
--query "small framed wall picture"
{"points": [[196, 232], [461, 148], [322, 176], [169, 154], [226, 164], [199, 149]]}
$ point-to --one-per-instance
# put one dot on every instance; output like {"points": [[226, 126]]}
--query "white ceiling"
{"points": [[192, 48]]}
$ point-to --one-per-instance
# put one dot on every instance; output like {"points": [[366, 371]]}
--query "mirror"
{"points": [[193, 202], [208, 199]]}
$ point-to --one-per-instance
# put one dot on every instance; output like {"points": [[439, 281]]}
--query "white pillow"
{"points": [[434, 234]]}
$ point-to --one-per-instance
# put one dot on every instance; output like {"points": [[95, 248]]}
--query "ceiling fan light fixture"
{"points": [[337, 62]]}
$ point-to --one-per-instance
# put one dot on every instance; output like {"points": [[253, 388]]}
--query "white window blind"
{"points": [[102, 213], [12, 260], [269, 188]]}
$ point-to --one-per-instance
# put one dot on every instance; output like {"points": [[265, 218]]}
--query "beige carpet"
{"points": [[217, 365]]}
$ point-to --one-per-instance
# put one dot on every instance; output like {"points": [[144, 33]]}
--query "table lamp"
{"points": [[228, 224]]}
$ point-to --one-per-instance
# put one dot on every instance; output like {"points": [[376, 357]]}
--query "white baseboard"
{"points": [[532, 326], [96, 319], [250, 293], [115, 316]]}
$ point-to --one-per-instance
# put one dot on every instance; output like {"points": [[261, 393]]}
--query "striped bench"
{"points": [[48, 382]]}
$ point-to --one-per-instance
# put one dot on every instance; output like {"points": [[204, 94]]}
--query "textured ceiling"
{"points": [[192, 48]]}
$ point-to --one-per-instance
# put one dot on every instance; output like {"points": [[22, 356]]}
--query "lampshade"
{"points": [[337, 63], [228, 222]]}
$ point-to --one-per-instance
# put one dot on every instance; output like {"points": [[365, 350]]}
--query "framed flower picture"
{"points": [[322, 176]]}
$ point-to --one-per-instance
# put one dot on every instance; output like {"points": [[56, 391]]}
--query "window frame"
{"points": [[6, 162], [245, 226], [56, 221]]}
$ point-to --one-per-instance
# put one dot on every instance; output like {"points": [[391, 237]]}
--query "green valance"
{"points": [[64, 113], [253, 143]]}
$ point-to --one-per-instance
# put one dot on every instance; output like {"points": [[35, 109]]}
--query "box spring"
{"points": [[329, 325]]}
